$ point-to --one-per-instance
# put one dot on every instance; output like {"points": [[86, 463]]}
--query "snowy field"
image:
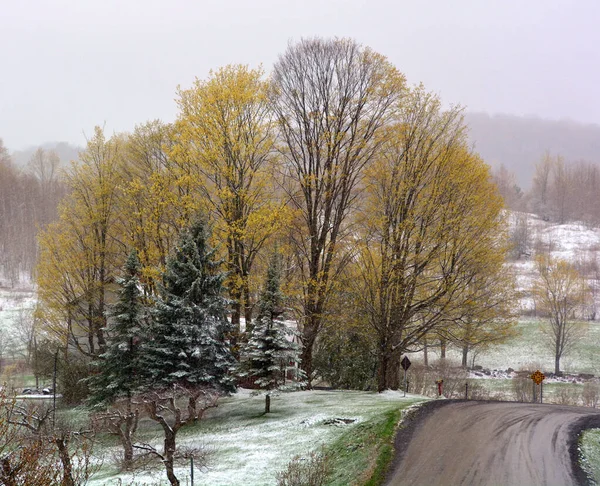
{"points": [[530, 349], [16, 306], [575, 243], [248, 448]]}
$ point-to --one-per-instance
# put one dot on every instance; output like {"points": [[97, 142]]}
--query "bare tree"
{"points": [[331, 99], [520, 235], [121, 420], [5, 344], [508, 188], [162, 406], [4, 154], [25, 333], [541, 185], [64, 452]]}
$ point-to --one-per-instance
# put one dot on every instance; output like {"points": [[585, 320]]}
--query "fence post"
{"points": [[192, 469]]}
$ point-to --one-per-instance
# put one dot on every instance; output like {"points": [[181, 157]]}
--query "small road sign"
{"points": [[405, 363], [538, 377]]}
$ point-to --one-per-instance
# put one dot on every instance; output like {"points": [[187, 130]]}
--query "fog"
{"points": [[68, 65]]}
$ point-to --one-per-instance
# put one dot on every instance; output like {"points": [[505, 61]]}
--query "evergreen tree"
{"points": [[118, 371], [188, 346], [270, 355]]}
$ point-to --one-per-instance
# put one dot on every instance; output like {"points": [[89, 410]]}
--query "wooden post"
{"points": [[54, 390], [192, 469]]}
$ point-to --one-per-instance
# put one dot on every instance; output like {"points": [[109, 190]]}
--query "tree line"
{"points": [[561, 191], [388, 225], [29, 198]]}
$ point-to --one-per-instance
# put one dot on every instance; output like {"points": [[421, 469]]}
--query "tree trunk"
{"points": [[443, 348], [63, 453], [309, 334], [557, 356], [247, 306], [393, 372], [236, 312], [465, 354], [131, 421], [383, 364], [425, 356], [169, 454], [267, 403], [381, 371]]}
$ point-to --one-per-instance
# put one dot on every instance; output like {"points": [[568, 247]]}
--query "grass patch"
{"points": [[589, 447], [362, 456], [530, 349], [250, 448]]}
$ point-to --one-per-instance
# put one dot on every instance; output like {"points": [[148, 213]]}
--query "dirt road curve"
{"points": [[491, 443]]}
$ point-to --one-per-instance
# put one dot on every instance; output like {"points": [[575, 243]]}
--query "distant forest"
{"points": [[550, 168], [31, 188], [519, 142]]}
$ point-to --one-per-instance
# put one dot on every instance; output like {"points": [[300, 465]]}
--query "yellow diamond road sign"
{"points": [[538, 377]]}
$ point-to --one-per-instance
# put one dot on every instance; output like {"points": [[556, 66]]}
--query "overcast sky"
{"points": [[68, 65]]}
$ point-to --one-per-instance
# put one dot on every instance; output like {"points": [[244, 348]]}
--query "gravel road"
{"points": [[491, 443]]}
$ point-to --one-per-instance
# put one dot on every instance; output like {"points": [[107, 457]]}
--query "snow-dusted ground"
{"points": [[576, 243], [249, 448], [530, 349], [16, 306]]}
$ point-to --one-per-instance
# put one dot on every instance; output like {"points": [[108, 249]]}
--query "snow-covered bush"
{"points": [[312, 470]]}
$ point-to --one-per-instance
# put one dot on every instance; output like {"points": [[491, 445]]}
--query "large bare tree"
{"points": [[331, 99]]}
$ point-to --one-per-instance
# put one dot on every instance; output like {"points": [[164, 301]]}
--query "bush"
{"points": [[346, 359], [312, 470], [591, 394], [522, 388], [71, 378], [565, 395]]}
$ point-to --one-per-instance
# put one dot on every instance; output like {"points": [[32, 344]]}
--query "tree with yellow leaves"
{"points": [[431, 216], [560, 292], [151, 213], [224, 161], [486, 310], [80, 253]]}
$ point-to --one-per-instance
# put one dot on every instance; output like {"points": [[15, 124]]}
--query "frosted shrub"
{"points": [[566, 395], [522, 389], [591, 394], [312, 470]]}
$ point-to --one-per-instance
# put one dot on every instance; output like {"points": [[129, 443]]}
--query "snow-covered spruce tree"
{"points": [[187, 356], [270, 355], [189, 346], [117, 373]]}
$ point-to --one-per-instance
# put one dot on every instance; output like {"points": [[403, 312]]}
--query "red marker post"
{"points": [[439, 384]]}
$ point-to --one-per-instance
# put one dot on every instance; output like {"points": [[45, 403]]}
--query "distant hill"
{"points": [[518, 142], [65, 151]]}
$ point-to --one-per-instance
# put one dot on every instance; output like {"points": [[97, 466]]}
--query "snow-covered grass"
{"points": [[530, 349], [576, 243], [249, 447], [589, 450], [14, 306]]}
